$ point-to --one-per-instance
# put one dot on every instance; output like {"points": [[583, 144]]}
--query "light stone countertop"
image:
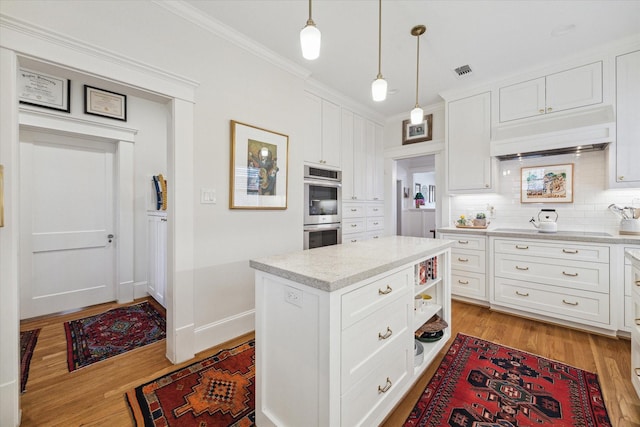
{"points": [[532, 233], [330, 268]]}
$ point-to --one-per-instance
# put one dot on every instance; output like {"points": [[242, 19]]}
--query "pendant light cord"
{"points": [[310, 20], [417, 68], [379, 39]]}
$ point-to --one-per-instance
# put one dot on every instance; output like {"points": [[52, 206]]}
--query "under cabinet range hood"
{"points": [[557, 133]]}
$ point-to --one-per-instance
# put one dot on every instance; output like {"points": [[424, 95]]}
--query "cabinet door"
{"points": [[468, 143], [370, 156], [157, 257], [574, 88], [313, 129], [331, 134], [526, 99], [347, 155], [378, 163], [359, 158], [628, 117]]}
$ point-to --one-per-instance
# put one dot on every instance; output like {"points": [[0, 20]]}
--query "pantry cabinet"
{"points": [[353, 161], [471, 167], [322, 132], [574, 88], [628, 118], [157, 255]]}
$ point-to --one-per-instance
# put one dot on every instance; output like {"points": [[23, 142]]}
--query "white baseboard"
{"points": [[183, 338], [215, 333], [125, 292], [140, 289], [9, 408]]}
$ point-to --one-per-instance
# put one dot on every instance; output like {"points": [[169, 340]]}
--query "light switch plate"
{"points": [[208, 196]]}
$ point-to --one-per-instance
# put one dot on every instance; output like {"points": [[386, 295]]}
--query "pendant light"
{"points": [[379, 85], [310, 39], [417, 114]]}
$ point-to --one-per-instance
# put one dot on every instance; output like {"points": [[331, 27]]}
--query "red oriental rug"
{"points": [[480, 383], [95, 338], [28, 340], [218, 391]]}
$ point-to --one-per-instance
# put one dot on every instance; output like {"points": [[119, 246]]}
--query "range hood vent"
{"points": [[553, 134]]}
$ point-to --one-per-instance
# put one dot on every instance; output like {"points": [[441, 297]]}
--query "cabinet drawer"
{"points": [[465, 242], [568, 251], [468, 284], [353, 226], [352, 211], [354, 237], [557, 302], [571, 274], [360, 406], [375, 210], [468, 260], [363, 301], [375, 224], [369, 339]]}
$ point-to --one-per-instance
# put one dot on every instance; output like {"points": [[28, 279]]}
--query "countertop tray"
{"points": [[472, 226]]}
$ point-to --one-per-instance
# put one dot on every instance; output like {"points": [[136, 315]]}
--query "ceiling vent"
{"points": [[463, 71]]}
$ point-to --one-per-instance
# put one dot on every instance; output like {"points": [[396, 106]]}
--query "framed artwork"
{"points": [[418, 188], [100, 102], [43, 90], [547, 184], [432, 194], [417, 133], [259, 168]]}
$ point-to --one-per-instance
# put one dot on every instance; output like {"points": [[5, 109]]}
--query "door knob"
{"points": [[110, 237]]}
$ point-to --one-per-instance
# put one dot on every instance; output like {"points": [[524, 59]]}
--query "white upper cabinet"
{"points": [[566, 90], [352, 156], [628, 118], [469, 133], [322, 136], [374, 172]]}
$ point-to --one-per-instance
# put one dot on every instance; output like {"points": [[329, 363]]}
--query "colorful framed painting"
{"points": [[259, 168], [417, 133], [547, 184]]}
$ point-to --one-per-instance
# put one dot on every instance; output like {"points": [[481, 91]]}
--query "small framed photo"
{"points": [[547, 184], [43, 90], [417, 133], [259, 168], [100, 102]]}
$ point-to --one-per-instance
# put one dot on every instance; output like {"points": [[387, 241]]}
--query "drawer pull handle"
{"points": [[638, 322], [570, 251], [463, 259], [375, 237], [522, 247], [354, 210], [637, 371], [570, 274], [375, 209], [637, 282], [386, 291], [569, 303], [354, 225], [522, 295], [463, 242], [386, 388], [522, 268], [386, 334], [376, 223], [353, 240], [463, 282]]}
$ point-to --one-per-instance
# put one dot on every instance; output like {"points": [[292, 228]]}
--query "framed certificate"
{"points": [[43, 90], [100, 102]]}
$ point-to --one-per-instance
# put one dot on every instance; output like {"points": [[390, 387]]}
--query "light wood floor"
{"points": [[94, 396]]}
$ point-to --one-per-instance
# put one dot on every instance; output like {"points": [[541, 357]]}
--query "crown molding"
{"points": [[20, 35], [217, 28]]}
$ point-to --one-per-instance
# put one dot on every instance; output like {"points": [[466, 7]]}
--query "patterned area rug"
{"points": [[28, 340], [480, 383], [114, 332], [217, 392]]}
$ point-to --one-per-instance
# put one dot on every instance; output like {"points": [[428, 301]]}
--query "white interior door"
{"points": [[66, 210]]}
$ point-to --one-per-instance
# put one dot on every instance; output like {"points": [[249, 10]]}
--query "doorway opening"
{"points": [[416, 201]]}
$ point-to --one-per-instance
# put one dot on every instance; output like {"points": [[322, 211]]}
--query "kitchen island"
{"points": [[335, 329]]}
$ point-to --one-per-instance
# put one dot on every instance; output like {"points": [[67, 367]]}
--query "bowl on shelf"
{"points": [[418, 353]]}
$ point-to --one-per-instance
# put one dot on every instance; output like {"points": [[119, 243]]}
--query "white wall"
{"points": [[234, 85], [588, 212]]}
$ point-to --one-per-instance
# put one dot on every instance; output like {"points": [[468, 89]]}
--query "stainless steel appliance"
{"points": [[323, 207]]}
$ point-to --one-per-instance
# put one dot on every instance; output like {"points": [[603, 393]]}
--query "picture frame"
{"points": [[418, 188], [259, 168], [44, 90], [417, 133], [547, 184], [104, 103]]}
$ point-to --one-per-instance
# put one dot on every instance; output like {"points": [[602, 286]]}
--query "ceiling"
{"points": [[496, 38]]}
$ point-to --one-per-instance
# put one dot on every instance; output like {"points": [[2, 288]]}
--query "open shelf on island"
{"points": [[431, 349], [421, 316], [418, 289]]}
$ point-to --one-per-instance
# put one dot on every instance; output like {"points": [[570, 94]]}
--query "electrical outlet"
{"points": [[293, 296]]}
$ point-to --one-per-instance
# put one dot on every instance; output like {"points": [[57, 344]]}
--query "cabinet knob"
{"points": [[486, 186], [621, 178], [541, 111], [549, 109]]}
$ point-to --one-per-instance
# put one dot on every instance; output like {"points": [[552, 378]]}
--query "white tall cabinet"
{"points": [[157, 255], [628, 118], [322, 137]]}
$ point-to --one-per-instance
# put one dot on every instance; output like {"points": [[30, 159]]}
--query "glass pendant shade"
{"points": [[310, 41], [417, 116], [379, 89]]}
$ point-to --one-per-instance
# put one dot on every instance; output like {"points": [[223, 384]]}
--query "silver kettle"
{"points": [[547, 221]]}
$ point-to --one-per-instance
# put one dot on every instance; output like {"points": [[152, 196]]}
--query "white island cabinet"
{"points": [[335, 329]]}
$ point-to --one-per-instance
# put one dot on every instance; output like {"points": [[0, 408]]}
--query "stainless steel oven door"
{"points": [[316, 236], [322, 202]]}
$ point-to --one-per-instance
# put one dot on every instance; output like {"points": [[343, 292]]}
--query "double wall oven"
{"points": [[323, 208]]}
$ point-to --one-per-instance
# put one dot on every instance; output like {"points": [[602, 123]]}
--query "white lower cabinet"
{"points": [[562, 281], [362, 221], [468, 267], [343, 358], [157, 255], [635, 330]]}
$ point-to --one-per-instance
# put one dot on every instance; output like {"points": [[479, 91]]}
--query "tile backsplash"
{"points": [[588, 212]]}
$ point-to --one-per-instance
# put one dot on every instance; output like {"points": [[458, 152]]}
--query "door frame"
{"points": [[123, 195]]}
